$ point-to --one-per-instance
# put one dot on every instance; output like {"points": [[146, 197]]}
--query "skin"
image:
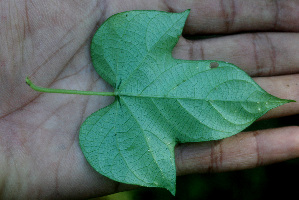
{"points": [[49, 41]]}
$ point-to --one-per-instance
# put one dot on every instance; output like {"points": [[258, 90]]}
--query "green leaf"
{"points": [[161, 101]]}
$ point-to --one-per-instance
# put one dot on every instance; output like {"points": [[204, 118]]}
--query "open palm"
{"points": [[49, 41]]}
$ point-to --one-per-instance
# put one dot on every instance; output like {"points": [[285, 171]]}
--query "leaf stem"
{"points": [[63, 91]]}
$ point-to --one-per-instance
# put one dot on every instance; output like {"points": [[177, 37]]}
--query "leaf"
{"points": [[161, 101]]}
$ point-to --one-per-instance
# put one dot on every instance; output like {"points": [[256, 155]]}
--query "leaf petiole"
{"points": [[63, 91]]}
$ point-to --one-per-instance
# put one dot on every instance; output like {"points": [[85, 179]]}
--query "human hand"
{"points": [[39, 152]]}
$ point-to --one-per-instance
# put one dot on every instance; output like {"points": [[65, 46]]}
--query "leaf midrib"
{"points": [[192, 98]]}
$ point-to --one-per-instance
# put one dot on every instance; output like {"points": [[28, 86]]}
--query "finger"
{"points": [[242, 151], [262, 54], [285, 87], [218, 16]]}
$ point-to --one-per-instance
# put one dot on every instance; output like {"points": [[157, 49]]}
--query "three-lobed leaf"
{"points": [[161, 101]]}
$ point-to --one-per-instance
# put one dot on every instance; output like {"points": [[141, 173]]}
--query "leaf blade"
{"points": [[126, 155], [161, 100]]}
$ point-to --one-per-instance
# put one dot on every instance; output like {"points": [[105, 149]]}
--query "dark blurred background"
{"points": [[279, 181]]}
